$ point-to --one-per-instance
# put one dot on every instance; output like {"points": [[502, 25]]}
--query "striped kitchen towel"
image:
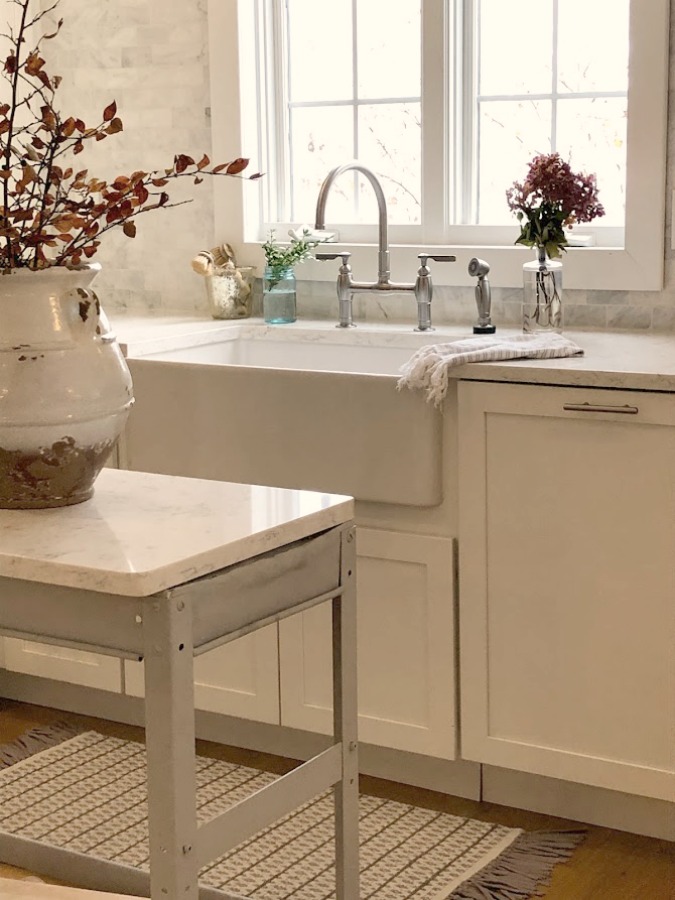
{"points": [[428, 369]]}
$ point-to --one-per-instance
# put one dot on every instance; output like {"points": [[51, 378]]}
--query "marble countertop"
{"points": [[618, 359], [141, 533]]}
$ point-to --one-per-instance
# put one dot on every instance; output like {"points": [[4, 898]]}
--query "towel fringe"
{"points": [[523, 870], [35, 740]]}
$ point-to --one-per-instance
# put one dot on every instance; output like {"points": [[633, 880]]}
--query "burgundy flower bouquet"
{"points": [[552, 198]]}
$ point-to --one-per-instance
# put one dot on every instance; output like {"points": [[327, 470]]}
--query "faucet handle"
{"points": [[344, 255], [423, 257]]}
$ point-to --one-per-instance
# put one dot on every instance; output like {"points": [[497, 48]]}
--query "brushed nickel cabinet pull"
{"points": [[597, 408]]}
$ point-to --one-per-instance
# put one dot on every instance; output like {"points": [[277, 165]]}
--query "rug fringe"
{"points": [[523, 870], [35, 740]]}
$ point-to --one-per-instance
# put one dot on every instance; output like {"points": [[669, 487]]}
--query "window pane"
{"points": [[320, 51], [511, 133], [516, 41], [389, 48], [390, 142], [321, 138], [592, 136], [593, 57]]}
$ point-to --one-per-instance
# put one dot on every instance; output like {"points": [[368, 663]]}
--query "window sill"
{"points": [[586, 268]]}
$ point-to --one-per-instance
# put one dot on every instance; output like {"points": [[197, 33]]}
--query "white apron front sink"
{"points": [[290, 407]]}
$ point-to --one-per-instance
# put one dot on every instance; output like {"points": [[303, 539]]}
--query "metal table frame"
{"points": [[167, 630]]}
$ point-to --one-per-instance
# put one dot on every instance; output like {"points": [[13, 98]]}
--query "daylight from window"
{"points": [[535, 80]]}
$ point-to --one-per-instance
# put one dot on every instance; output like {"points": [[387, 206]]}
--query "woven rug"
{"points": [[86, 793]]}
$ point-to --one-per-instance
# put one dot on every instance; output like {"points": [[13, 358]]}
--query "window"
{"points": [[447, 100]]}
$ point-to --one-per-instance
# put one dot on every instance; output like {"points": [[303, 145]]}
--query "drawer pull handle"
{"points": [[596, 408]]}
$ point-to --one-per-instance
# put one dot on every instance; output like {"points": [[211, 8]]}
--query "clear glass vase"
{"points": [[542, 295], [230, 294], [279, 297]]}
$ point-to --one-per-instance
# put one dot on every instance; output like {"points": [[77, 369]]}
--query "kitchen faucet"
{"points": [[346, 286]]}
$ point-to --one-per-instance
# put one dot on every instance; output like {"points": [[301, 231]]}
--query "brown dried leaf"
{"points": [[109, 112], [115, 126], [203, 162], [181, 162], [48, 37], [78, 148], [34, 63], [48, 118], [236, 166], [129, 228], [141, 193], [10, 64]]}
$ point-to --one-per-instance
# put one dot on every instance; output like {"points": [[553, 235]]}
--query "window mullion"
{"points": [[467, 138], [277, 90], [435, 119], [554, 79]]}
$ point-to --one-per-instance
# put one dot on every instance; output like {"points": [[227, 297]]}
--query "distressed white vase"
{"points": [[65, 389]]}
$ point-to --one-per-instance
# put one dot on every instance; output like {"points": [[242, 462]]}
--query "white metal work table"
{"points": [[164, 568]]}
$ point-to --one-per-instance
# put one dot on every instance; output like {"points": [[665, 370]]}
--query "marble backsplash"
{"points": [[154, 63], [606, 310]]}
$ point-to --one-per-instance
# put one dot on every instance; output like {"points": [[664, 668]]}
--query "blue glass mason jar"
{"points": [[279, 298]]}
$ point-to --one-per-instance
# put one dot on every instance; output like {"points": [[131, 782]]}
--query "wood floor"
{"points": [[610, 865]]}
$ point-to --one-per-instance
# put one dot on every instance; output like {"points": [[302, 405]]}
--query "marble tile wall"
{"points": [[150, 56], [152, 59]]}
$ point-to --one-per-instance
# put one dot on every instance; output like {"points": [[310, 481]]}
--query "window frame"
{"points": [[637, 265]]}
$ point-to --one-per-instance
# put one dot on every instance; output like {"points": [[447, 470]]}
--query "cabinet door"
{"points": [[63, 664], [406, 648], [567, 583], [239, 679]]}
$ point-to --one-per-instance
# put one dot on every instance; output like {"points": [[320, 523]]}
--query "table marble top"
{"points": [[141, 533]]}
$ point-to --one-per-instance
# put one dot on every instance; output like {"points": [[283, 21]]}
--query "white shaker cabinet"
{"points": [[406, 648], [239, 679], [567, 583], [62, 664]]}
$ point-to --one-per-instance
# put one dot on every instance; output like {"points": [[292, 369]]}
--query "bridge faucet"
{"points": [[346, 286]]}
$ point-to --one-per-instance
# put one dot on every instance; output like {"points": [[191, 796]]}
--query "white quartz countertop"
{"points": [[140, 533], [619, 359]]}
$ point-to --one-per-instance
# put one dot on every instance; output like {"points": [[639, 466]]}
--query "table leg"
{"points": [[345, 725], [170, 739]]}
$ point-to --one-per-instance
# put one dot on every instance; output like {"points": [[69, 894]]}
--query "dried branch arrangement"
{"points": [[53, 213]]}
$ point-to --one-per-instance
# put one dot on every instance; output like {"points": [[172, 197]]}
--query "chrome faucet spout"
{"points": [[383, 267], [346, 286]]}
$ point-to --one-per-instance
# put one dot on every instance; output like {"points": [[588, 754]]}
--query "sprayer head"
{"points": [[478, 268]]}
